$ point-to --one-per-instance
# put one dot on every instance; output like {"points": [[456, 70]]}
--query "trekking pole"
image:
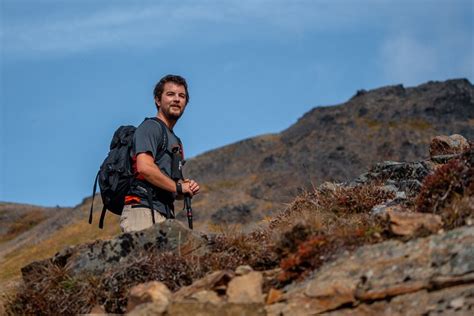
{"points": [[177, 174], [189, 210]]}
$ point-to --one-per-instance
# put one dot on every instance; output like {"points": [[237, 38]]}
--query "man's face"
{"points": [[173, 100]]}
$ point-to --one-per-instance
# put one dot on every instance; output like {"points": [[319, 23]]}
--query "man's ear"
{"points": [[157, 102]]}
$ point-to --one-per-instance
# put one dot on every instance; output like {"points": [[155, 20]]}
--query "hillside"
{"points": [[31, 233], [395, 241], [257, 177]]}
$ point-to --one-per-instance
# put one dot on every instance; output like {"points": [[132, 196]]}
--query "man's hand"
{"points": [[190, 187]]}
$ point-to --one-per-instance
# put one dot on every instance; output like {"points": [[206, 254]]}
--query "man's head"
{"points": [[159, 88], [171, 96]]}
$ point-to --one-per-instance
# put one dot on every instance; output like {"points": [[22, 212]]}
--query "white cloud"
{"points": [[105, 28], [131, 24], [146, 24]]}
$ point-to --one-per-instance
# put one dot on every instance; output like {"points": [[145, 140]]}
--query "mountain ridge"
{"points": [[331, 143]]}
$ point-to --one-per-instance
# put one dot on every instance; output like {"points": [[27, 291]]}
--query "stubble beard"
{"points": [[171, 115]]}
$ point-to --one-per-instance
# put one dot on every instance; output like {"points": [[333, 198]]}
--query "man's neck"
{"points": [[169, 123]]}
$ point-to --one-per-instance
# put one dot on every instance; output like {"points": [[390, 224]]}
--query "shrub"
{"points": [[53, 291], [443, 190], [317, 226]]}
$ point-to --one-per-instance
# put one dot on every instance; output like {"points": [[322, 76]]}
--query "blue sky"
{"points": [[74, 70]]}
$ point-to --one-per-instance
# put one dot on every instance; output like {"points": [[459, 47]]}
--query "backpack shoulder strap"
{"points": [[163, 147], [93, 196]]}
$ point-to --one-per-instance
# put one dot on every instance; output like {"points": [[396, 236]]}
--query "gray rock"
{"points": [[457, 300], [100, 255], [441, 159], [390, 188], [387, 272]]}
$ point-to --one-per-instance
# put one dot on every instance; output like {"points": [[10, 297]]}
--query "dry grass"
{"points": [[318, 225], [52, 291], [76, 233], [26, 222]]}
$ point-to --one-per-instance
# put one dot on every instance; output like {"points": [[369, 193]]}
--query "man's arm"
{"points": [[149, 170]]}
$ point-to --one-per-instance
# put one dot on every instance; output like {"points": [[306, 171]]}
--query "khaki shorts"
{"points": [[138, 218]]}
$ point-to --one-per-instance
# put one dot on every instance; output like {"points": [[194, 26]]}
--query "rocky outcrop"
{"points": [[374, 278], [455, 300], [427, 275], [101, 255], [220, 293]]}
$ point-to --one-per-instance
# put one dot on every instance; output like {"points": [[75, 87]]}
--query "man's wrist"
{"points": [[179, 188]]}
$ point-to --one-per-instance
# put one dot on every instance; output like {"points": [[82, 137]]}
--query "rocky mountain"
{"points": [[257, 177]]}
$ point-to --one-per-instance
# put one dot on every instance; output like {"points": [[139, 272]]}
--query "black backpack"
{"points": [[116, 175]]}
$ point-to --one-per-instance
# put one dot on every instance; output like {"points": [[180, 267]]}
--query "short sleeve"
{"points": [[147, 137]]}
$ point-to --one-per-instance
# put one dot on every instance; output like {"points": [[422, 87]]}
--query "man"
{"points": [[152, 165]]}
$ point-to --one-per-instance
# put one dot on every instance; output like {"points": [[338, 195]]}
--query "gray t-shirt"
{"points": [[148, 138]]}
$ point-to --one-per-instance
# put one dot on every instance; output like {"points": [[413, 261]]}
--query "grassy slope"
{"points": [[77, 233]]}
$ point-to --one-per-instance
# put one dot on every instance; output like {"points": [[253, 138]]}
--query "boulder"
{"points": [[150, 292], [408, 223], [446, 145], [246, 288], [216, 281], [97, 257], [404, 179]]}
